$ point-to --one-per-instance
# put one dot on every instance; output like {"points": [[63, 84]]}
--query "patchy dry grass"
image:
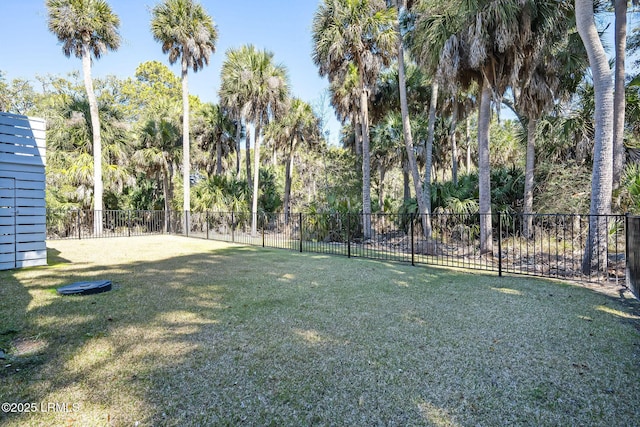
{"points": [[203, 333]]}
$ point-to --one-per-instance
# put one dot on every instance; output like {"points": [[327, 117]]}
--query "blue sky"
{"points": [[281, 26]]}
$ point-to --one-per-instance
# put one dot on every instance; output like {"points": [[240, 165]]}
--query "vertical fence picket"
{"points": [[348, 234], [413, 251], [300, 229], [500, 244]]}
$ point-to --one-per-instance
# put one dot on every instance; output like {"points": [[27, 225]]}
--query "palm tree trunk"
{"points": [[247, 148], [406, 188], [238, 149], [382, 171], [274, 155], [433, 103], [170, 168], [408, 136], [165, 192], [287, 183], [357, 129], [218, 157], [468, 140], [454, 146], [98, 188], [619, 94], [484, 176], [186, 164], [527, 225], [366, 163], [602, 178], [256, 177]]}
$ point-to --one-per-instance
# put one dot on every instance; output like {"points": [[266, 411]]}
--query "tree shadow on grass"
{"points": [[271, 337], [100, 350], [14, 300]]}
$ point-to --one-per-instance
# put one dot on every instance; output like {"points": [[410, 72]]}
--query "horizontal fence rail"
{"points": [[544, 245]]}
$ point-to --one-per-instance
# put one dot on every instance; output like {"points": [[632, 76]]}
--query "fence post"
{"points": [[499, 244], [412, 246], [348, 234], [78, 224], [300, 227], [264, 220], [233, 227], [129, 222], [207, 223]]}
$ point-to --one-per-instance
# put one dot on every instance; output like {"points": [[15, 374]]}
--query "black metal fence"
{"points": [[545, 245], [81, 224]]}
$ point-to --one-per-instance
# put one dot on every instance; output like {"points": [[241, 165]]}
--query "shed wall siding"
{"points": [[22, 191]]}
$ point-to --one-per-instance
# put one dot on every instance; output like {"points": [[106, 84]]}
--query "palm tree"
{"points": [[620, 41], [159, 152], [423, 210], [188, 34], [70, 137], [215, 135], [233, 94], [344, 91], [259, 89], [544, 80], [602, 179], [484, 42], [86, 29], [433, 24], [387, 148], [360, 33], [298, 125]]}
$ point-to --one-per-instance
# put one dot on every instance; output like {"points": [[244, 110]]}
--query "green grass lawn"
{"points": [[204, 333]]}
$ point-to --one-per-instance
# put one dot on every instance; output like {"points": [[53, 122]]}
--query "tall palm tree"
{"points": [[602, 178], [234, 92], [433, 24], [188, 34], [485, 42], [345, 98], [360, 33], [620, 41], [298, 125], [86, 29], [387, 148], [259, 89], [423, 211], [551, 77], [215, 135], [158, 154]]}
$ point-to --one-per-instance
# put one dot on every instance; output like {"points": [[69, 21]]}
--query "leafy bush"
{"points": [[220, 193], [270, 199], [562, 188], [627, 196], [507, 189]]}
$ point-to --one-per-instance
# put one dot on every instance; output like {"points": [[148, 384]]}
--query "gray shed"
{"points": [[22, 192]]}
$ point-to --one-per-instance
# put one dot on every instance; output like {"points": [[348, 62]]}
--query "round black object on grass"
{"points": [[85, 288]]}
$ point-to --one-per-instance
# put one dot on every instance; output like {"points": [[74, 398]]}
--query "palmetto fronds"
{"points": [[77, 23], [186, 32]]}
